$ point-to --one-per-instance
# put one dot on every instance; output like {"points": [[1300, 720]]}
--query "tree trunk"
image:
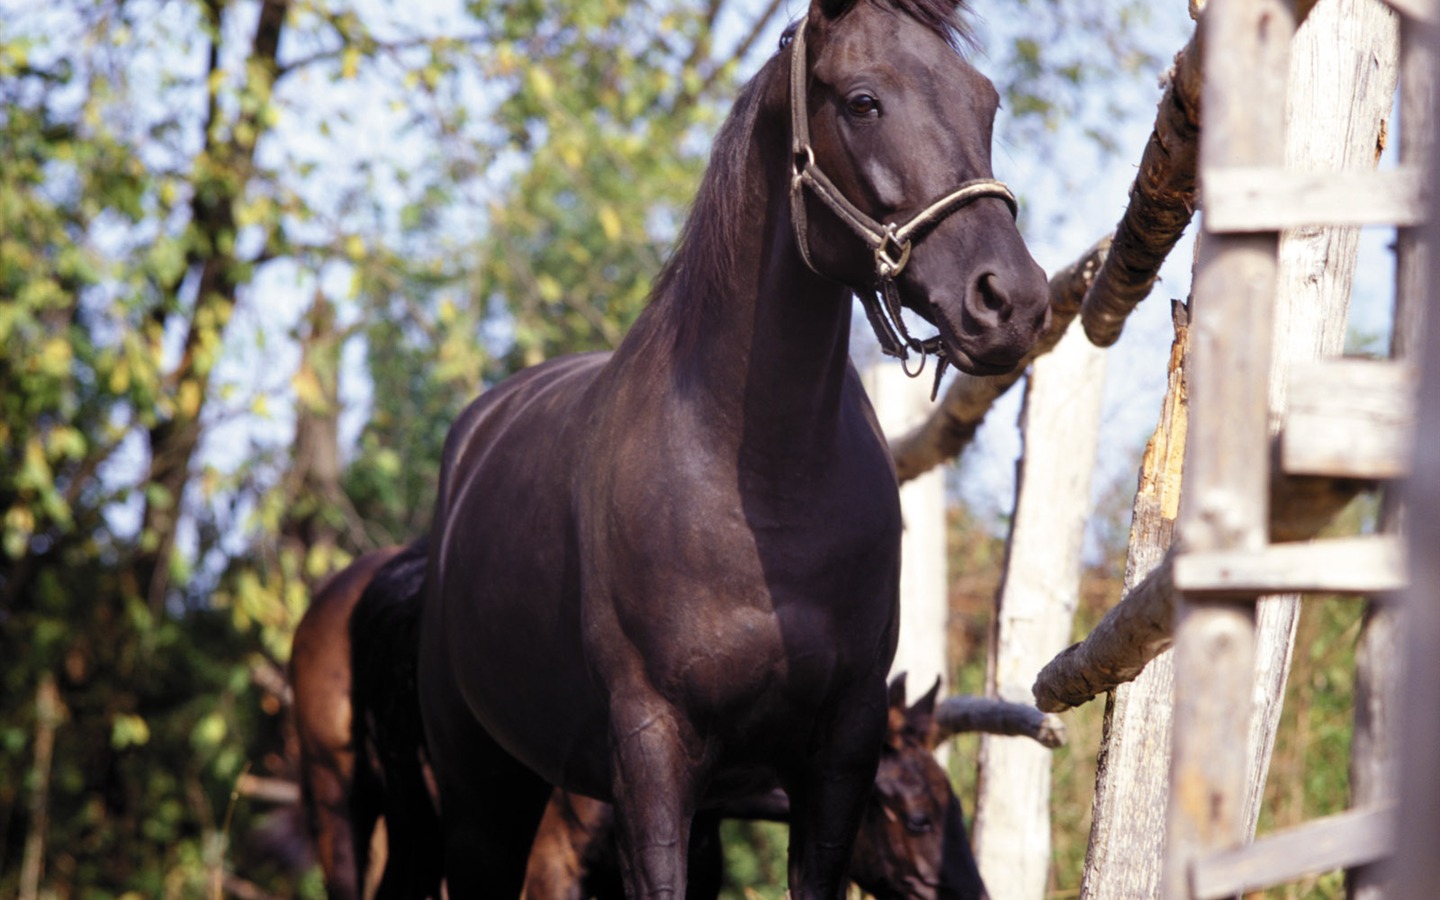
{"points": [[48, 714], [1036, 607], [316, 504], [222, 170]]}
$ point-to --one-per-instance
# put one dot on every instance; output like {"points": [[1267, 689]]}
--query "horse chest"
{"points": [[735, 592]]}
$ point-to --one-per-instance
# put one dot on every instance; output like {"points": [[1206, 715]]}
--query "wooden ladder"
{"points": [[1345, 418]]}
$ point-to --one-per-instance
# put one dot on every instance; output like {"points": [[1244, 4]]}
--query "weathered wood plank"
{"points": [[269, 790], [1379, 652], [1371, 564], [1343, 69], [1323, 845], [1141, 626], [1259, 198], [1418, 864], [1351, 418], [1127, 816], [900, 403], [1060, 428], [1247, 49]]}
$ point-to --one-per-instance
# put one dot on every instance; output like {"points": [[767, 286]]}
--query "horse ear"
{"points": [[833, 9], [897, 692], [920, 717]]}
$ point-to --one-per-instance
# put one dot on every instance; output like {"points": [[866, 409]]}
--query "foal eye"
{"points": [[863, 105], [917, 824]]}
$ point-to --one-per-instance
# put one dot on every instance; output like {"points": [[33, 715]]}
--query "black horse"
{"points": [[668, 576], [362, 757]]}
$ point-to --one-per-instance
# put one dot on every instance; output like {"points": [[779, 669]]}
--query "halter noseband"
{"points": [[890, 243]]}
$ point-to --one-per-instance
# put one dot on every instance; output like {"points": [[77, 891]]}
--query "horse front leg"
{"points": [[829, 792], [654, 774]]}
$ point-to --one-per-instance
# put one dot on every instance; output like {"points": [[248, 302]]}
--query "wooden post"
{"points": [[1036, 607], [1343, 69], [1418, 864], [1375, 746], [1127, 819], [900, 403], [1247, 46]]}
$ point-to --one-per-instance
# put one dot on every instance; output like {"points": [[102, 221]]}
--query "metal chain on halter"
{"points": [[890, 243]]}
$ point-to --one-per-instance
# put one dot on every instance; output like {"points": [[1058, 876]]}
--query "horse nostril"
{"points": [[991, 294]]}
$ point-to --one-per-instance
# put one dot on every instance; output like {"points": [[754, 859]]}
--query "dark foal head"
{"points": [[897, 120], [912, 843]]}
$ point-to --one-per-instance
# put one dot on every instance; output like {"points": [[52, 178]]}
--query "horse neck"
{"points": [[771, 355]]}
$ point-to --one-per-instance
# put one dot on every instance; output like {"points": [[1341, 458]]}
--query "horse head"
{"points": [[891, 132], [913, 843]]}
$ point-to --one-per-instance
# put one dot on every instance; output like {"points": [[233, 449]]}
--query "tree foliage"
{"points": [[254, 256]]}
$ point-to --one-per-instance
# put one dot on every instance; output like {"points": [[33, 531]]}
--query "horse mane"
{"points": [[694, 278]]}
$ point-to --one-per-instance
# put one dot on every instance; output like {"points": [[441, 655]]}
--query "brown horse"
{"points": [[320, 682], [912, 841], [668, 577], [361, 744]]}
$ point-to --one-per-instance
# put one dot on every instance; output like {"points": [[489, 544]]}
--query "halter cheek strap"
{"points": [[890, 243]]}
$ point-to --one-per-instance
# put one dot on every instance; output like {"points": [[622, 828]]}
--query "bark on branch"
{"points": [[1162, 202], [1140, 627], [956, 715]]}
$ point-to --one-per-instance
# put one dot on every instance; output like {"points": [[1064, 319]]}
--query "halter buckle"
{"points": [[891, 254], [802, 158]]}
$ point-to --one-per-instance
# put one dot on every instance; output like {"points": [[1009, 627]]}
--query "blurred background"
{"points": [[254, 256]]}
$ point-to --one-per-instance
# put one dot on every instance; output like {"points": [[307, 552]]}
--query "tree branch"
{"points": [[1162, 202], [1141, 626], [48, 715], [956, 715]]}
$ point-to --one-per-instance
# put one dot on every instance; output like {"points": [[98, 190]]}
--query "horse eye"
{"points": [[917, 824], [863, 105]]}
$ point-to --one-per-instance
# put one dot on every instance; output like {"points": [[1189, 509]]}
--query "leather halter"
{"points": [[889, 242]]}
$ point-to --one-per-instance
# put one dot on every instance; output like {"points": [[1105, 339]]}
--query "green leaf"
{"points": [[129, 731]]}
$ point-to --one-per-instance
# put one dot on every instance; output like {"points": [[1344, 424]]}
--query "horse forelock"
{"points": [[948, 19]]}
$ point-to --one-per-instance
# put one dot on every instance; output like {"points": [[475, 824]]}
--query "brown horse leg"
{"points": [[827, 798], [654, 780], [325, 791]]}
